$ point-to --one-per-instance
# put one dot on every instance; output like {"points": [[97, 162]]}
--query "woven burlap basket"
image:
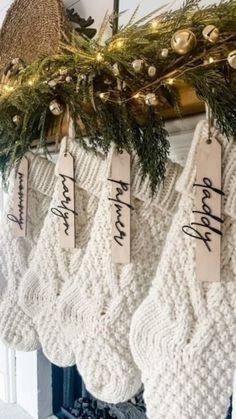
{"points": [[32, 29]]}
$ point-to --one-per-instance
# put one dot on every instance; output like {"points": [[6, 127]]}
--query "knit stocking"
{"points": [[53, 267], [97, 310], [183, 336], [16, 254]]}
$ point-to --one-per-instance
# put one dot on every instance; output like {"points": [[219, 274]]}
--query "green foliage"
{"points": [[122, 118]]}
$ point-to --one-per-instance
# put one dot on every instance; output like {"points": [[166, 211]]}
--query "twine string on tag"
{"points": [[210, 120], [66, 147]]}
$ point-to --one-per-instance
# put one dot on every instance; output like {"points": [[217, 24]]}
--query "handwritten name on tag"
{"points": [[65, 209], [120, 209], [20, 199], [206, 228]]}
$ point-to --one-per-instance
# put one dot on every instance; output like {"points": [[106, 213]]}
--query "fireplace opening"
{"points": [[71, 400]]}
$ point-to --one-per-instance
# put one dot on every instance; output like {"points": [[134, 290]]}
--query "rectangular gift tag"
{"points": [[20, 206], [208, 221], [65, 209], [120, 207]]}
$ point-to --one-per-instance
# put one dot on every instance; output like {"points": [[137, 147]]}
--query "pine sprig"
{"points": [[220, 97]]}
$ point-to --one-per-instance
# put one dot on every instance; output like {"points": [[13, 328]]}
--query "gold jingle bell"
{"points": [[152, 71], [137, 65], [232, 59], [164, 52], [69, 79], [16, 120], [55, 107], [151, 99], [183, 41], [211, 34], [116, 69]]}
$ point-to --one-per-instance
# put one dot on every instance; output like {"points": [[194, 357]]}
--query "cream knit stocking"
{"points": [[183, 335], [16, 254], [53, 267], [96, 312]]}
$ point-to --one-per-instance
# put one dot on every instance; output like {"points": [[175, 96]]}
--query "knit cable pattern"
{"points": [[16, 254], [53, 267], [96, 311], [183, 335]]}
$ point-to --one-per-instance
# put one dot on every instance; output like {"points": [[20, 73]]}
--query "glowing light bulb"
{"points": [[8, 88], [120, 43], [154, 24], [136, 96], [31, 82], [170, 81], [104, 96], [211, 60], [99, 57]]}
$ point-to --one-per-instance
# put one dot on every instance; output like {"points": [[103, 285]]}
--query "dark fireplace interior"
{"points": [[71, 400]]}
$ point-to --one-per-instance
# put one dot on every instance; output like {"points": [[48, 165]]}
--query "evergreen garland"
{"points": [[100, 88]]}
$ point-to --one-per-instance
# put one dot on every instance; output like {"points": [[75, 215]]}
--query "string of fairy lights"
{"points": [[115, 91], [182, 43]]}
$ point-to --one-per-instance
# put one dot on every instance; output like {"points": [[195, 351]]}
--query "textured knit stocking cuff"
{"points": [[41, 175], [92, 169], [187, 179]]}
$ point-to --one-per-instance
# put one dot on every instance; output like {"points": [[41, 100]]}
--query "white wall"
{"points": [[7, 375], [96, 9], [33, 384], [147, 6], [3, 7]]}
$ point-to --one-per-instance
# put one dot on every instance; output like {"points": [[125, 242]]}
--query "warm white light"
{"points": [[154, 24], [120, 43], [104, 96], [136, 96], [170, 81], [8, 88], [211, 60], [99, 57]]}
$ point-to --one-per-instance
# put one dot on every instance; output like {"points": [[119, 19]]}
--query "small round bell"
{"points": [[16, 120], [137, 65], [116, 69], [52, 83], [164, 52], [69, 79], [151, 99], [55, 107], [211, 34], [152, 71], [232, 59], [183, 41]]}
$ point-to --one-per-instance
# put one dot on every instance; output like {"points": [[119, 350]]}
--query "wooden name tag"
{"points": [[65, 209], [206, 228], [20, 206], [120, 208]]}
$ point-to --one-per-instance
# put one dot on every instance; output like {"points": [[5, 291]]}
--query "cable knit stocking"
{"points": [[183, 335], [16, 254], [96, 312], [53, 267]]}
